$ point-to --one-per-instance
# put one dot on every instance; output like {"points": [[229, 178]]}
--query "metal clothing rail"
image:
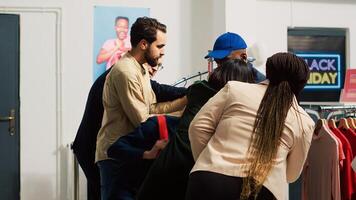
{"points": [[333, 111], [184, 79], [325, 108], [328, 110]]}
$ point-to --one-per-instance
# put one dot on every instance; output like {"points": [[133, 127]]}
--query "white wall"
{"points": [[207, 22], [264, 23], [56, 74]]}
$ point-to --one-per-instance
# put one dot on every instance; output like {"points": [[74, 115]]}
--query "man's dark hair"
{"points": [[219, 62], [121, 17], [145, 28]]}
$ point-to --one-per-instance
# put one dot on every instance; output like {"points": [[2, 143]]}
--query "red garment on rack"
{"points": [[347, 176], [340, 148], [351, 137]]}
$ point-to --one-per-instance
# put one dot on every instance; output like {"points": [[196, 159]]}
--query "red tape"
{"points": [[162, 124]]}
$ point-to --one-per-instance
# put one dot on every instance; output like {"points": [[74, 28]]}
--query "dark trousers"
{"points": [[121, 180], [211, 186]]}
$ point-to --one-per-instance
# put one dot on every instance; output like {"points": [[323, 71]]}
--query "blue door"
{"points": [[9, 108]]}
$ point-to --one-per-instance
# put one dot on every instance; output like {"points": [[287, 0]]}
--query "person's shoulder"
{"points": [[125, 65], [239, 85], [126, 59], [305, 117], [300, 118], [238, 89], [118, 74]]}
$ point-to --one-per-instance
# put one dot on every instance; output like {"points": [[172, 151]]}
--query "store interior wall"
{"points": [[192, 27], [264, 23]]}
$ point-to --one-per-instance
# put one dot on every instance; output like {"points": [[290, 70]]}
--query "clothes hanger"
{"points": [[348, 116], [185, 81], [331, 123], [320, 124], [343, 124], [350, 121], [334, 113], [313, 112]]}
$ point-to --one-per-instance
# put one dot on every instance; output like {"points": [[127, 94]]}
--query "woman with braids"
{"points": [[250, 140]]}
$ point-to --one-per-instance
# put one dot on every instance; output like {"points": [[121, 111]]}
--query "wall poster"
{"points": [[112, 35]]}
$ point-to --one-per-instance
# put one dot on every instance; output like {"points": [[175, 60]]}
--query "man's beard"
{"points": [[150, 59]]}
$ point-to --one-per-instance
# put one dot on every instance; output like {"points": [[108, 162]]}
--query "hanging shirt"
{"points": [[347, 176], [351, 137], [321, 174], [341, 151]]}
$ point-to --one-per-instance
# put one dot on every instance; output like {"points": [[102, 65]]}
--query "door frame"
{"points": [[57, 11]]}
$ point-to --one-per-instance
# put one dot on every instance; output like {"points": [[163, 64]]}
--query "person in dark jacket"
{"points": [[134, 152], [147, 138], [84, 144], [170, 171]]}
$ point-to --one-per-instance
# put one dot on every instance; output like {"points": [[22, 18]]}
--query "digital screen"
{"points": [[324, 71], [324, 50]]}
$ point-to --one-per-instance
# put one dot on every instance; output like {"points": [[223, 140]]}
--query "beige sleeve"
{"points": [[169, 106], [299, 152], [203, 126], [129, 90]]}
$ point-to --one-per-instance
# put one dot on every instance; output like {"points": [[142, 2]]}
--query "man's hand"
{"points": [[153, 153]]}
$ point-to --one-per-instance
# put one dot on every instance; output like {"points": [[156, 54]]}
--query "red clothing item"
{"points": [[340, 148], [347, 176], [351, 137]]}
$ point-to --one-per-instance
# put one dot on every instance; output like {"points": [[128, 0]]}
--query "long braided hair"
{"points": [[288, 75]]}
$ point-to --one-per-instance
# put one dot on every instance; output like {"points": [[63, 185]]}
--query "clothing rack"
{"points": [[331, 108], [340, 132], [328, 111], [333, 111], [185, 79]]}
